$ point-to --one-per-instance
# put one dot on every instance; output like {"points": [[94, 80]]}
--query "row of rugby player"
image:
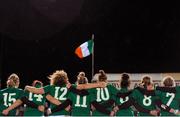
{"points": [[90, 99]]}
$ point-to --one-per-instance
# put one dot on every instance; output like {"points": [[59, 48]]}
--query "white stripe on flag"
{"points": [[84, 49]]}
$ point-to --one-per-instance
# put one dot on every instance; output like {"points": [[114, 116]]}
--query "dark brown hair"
{"points": [[146, 80], [125, 80]]}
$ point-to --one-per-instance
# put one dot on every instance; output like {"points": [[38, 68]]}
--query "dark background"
{"points": [[40, 36]]}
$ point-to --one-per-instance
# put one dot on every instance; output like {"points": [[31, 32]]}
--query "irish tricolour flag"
{"points": [[84, 49]]}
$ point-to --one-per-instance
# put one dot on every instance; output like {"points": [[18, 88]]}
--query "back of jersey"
{"points": [[144, 100], [39, 99], [121, 100], [102, 95], [80, 104], [59, 93], [170, 99], [8, 96]]}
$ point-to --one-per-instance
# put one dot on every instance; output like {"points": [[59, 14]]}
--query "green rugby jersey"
{"points": [[120, 100], [7, 97], [59, 93], [145, 101], [38, 99], [169, 99], [81, 105], [102, 95]]}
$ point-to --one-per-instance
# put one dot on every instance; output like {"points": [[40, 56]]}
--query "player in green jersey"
{"points": [[10, 94], [38, 99], [102, 95], [123, 96], [170, 98], [146, 97], [33, 108], [58, 89], [80, 104], [34, 102]]}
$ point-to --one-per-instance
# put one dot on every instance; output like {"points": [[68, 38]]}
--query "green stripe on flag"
{"points": [[90, 45]]}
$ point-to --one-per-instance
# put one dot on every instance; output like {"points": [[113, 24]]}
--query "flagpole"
{"points": [[92, 57]]}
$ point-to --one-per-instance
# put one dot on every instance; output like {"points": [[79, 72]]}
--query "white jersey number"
{"points": [[8, 99], [102, 94], [147, 100], [171, 95], [62, 96], [39, 97], [83, 101], [124, 100]]}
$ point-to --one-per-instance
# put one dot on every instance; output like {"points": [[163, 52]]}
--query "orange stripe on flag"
{"points": [[79, 52]]}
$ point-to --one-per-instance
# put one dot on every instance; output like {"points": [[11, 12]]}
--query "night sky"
{"points": [[40, 36]]}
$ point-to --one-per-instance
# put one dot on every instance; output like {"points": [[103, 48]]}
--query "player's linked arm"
{"points": [[53, 100], [13, 106], [35, 90], [91, 85], [165, 107], [62, 106], [20, 102], [100, 108]]}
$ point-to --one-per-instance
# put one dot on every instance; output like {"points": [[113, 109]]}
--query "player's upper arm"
{"points": [[134, 94]]}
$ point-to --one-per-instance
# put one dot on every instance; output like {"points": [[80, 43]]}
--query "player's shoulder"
{"points": [[19, 89], [123, 90], [136, 90], [2, 90], [177, 88], [74, 85], [49, 86], [110, 86], [92, 90], [158, 92]]}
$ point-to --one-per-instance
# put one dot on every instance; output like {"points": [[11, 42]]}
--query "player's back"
{"points": [[102, 95], [145, 99], [8, 96], [38, 99], [81, 105], [122, 97], [171, 99], [60, 93]]}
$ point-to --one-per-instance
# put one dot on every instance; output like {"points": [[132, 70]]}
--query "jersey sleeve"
{"points": [[113, 90], [93, 94], [26, 93], [47, 88], [69, 96], [21, 93], [178, 89], [74, 85], [1, 95], [158, 93], [82, 92], [134, 94]]}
